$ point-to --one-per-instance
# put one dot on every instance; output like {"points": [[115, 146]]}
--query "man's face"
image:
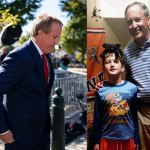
{"points": [[137, 23], [50, 39]]}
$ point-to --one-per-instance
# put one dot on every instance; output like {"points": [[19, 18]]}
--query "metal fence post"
{"points": [[58, 134]]}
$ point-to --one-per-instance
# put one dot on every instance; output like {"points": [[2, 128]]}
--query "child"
{"points": [[115, 114]]}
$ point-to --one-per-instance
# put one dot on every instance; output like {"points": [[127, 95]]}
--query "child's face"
{"points": [[112, 66]]}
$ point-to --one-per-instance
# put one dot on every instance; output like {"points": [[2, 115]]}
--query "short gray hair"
{"points": [[43, 22], [141, 5]]}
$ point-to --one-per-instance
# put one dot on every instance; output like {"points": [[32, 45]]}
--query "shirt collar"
{"points": [[146, 44], [148, 41], [37, 47]]}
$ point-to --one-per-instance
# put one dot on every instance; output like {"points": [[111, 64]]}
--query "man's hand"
{"points": [[7, 137], [96, 147], [95, 89], [98, 86], [136, 146]]}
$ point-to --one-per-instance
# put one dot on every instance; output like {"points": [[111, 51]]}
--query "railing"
{"points": [[71, 84]]}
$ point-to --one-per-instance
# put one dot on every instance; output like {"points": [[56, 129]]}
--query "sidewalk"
{"points": [[1, 146], [80, 143]]}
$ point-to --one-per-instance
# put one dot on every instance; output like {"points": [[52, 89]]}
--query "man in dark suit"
{"points": [[24, 115]]}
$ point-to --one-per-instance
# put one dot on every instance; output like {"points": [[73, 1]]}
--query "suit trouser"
{"points": [[144, 126], [44, 144]]}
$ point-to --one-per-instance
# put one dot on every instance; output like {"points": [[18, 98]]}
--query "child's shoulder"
{"points": [[132, 87], [131, 84]]}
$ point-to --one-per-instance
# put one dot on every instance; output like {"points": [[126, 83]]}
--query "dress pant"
{"points": [[144, 126], [44, 143]]}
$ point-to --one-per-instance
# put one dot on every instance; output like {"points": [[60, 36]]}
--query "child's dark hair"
{"points": [[112, 48]]}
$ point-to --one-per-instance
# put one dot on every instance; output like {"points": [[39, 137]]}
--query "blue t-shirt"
{"points": [[115, 113]]}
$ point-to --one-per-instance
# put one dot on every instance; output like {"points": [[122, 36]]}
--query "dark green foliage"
{"points": [[24, 8], [74, 33]]}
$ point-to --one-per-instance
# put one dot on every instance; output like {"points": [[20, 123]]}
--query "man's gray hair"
{"points": [[141, 5], [43, 22]]}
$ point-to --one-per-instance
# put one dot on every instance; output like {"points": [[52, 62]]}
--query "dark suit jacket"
{"points": [[26, 110]]}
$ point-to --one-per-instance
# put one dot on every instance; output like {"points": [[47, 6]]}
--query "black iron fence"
{"points": [[72, 84]]}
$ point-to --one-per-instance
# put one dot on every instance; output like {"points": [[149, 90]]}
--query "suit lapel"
{"points": [[38, 63]]}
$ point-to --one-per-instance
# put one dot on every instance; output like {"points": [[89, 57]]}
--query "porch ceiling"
{"points": [[119, 28]]}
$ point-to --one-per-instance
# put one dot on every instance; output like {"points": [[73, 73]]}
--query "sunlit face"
{"points": [[50, 39], [137, 23], [112, 66]]}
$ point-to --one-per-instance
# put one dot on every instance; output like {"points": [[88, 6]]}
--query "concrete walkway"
{"points": [[1, 146], [80, 143]]}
